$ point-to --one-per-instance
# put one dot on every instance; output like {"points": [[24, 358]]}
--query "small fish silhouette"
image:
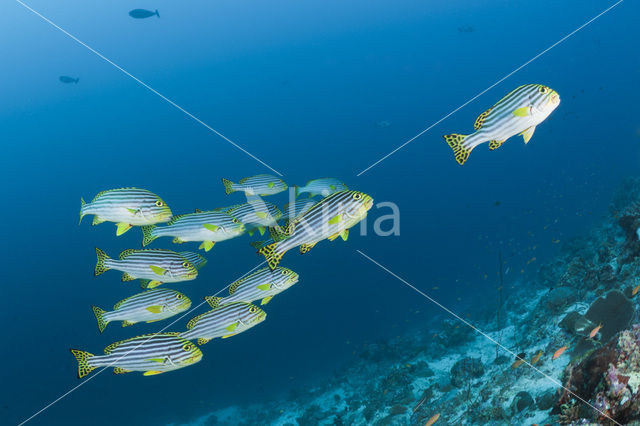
{"points": [[143, 13], [67, 79]]}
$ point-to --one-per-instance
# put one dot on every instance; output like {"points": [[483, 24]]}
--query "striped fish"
{"points": [[518, 113], [256, 214], [152, 266], [151, 353], [223, 320], [195, 259], [208, 227], [262, 285], [323, 187], [297, 208], [127, 207], [329, 218], [256, 185], [150, 306]]}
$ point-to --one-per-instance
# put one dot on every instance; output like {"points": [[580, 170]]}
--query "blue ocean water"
{"points": [[303, 86]]}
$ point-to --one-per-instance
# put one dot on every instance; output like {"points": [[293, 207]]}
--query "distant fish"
{"points": [[205, 227], [149, 306], [151, 353], [383, 124], [466, 29], [256, 185], [322, 186], [559, 352], [143, 13], [67, 79], [127, 207], [519, 360], [432, 420], [536, 358], [262, 285], [518, 113], [635, 290], [595, 331], [223, 320], [152, 266]]}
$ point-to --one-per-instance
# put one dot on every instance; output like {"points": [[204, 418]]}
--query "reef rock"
{"points": [[609, 379], [558, 298], [521, 402], [466, 369], [614, 311], [575, 323]]}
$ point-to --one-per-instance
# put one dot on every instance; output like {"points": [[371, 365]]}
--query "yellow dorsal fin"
{"points": [[481, 118]]}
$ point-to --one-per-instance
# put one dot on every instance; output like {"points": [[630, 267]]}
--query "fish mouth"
{"points": [[369, 203], [554, 98]]}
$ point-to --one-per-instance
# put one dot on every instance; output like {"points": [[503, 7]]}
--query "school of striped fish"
{"points": [[305, 222]]}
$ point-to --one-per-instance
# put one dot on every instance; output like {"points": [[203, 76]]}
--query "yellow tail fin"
{"points": [[455, 141], [228, 186], [147, 234], [82, 203], [100, 268], [99, 313], [270, 254], [83, 362]]}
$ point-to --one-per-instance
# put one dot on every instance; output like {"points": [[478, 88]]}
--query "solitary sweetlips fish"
{"points": [[518, 113], [67, 79], [322, 187]]}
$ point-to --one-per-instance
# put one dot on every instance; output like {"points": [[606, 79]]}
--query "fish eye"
{"points": [[186, 265], [159, 203], [543, 89], [253, 309], [187, 347], [284, 272], [357, 196], [179, 296]]}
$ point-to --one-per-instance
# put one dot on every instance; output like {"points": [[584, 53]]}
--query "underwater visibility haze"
{"points": [[461, 178]]}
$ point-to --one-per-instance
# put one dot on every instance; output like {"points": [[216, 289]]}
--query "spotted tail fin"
{"points": [[83, 362], [99, 313], [100, 266], [228, 186], [271, 255], [455, 141], [147, 234]]}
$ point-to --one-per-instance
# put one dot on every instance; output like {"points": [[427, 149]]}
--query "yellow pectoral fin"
{"points": [[261, 215], [157, 270], [522, 112], [152, 373], [155, 309], [528, 133], [122, 228], [335, 219], [232, 326], [263, 287], [210, 227], [206, 245]]}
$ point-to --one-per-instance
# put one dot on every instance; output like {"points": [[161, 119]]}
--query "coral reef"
{"points": [[443, 367]]}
